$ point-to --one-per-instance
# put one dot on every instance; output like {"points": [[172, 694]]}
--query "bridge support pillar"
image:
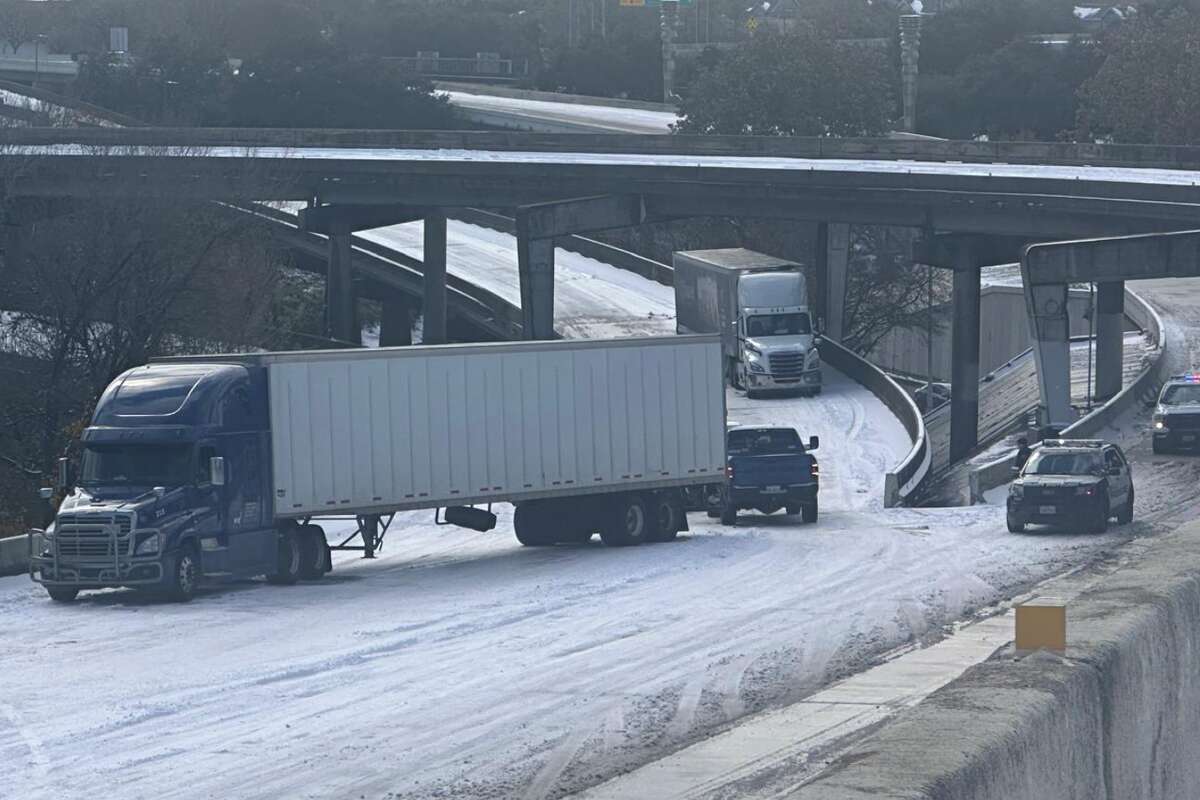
{"points": [[395, 323], [833, 260], [434, 327], [964, 369], [341, 321], [535, 262], [1110, 338]]}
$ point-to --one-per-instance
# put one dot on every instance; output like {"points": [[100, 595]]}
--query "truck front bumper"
{"points": [[48, 568], [809, 381]]}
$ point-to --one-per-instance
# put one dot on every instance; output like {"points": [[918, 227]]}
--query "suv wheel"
{"points": [[1125, 515], [1100, 523], [1015, 524]]}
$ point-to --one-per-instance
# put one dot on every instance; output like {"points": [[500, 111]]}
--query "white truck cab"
{"points": [[759, 304]]}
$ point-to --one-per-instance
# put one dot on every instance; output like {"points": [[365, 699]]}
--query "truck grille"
{"points": [[787, 366], [1183, 422], [87, 537]]}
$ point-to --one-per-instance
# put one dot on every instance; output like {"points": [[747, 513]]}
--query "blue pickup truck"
{"points": [[769, 469]]}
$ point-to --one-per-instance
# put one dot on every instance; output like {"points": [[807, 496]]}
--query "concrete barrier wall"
{"points": [[14, 554], [1117, 718]]}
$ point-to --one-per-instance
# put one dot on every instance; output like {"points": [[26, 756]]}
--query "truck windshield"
{"points": [[1182, 394], [779, 325], [1064, 464], [766, 440], [136, 465]]}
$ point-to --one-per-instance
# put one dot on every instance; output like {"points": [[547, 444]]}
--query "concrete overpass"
{"points": [[978, 203]]}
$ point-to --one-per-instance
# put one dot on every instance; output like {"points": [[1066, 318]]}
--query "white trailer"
{"points": [[582, 436]]}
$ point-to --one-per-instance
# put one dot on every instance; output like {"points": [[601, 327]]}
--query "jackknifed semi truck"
{"points": [[758, 304], [219, 467]]}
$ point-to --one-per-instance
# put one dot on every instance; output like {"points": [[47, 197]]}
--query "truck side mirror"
{"points": [[814, 443], [63, 478], [46, 493], [216, 471]]}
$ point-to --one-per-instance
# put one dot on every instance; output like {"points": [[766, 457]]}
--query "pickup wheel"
{"points": [[665, 519], [313, 552], [60, 595], [183, 574], [729, 515], [289, 559], [627, 522], [808, 512], [1125, 515]]}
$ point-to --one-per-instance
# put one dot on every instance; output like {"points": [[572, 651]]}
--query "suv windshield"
{"points": [[1064, 464], [1182, 394], [766, 440], [779, 325], [136, 464]]}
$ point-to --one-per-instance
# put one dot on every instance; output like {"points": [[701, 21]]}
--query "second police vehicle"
{"points": [[1176, 421]]}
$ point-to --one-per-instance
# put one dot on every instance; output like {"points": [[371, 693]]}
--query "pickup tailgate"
{"points": [[783, 469]]}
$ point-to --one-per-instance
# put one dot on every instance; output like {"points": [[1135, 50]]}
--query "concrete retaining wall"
{"points": [[998, 472], [1117, 718]]}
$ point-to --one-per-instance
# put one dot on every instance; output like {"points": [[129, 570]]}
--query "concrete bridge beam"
{"points": [[356, 217], [964, 365], [395, 324], [1110, 338], [434, 255], [341, 318], [833, 263]]}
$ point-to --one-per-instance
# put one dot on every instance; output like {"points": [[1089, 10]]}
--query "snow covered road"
{"points": [[462, 665]]}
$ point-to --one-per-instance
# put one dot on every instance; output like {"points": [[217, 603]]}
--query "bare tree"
{"points": [[16, 23]]}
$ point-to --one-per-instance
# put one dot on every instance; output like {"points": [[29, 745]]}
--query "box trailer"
{"points": [[759, 306], [218, 467]]}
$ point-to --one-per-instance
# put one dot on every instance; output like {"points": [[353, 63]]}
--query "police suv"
{"points": [[1176, 423], [1072, 483]]}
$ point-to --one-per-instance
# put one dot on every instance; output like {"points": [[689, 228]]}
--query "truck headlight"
{"points": [[148, 546], [1086, 491], [755, 361]]}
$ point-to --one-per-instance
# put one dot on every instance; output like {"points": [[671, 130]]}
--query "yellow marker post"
{"points": [[1042, 624]]}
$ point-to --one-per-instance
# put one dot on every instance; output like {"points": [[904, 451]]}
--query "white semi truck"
{"points": [[759, 306], [212, 468]]}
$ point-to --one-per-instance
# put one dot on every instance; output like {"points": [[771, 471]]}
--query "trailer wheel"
{"points": [[627, 521], [288, 559], [530, 525], [313, 555], [665, 519], [60, 595]]}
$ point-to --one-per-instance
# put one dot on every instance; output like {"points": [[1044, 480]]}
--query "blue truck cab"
{"points": [[173, 488], [769, 469]]}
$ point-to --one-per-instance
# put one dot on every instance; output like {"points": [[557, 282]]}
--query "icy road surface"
{"points": [[461, 665]]}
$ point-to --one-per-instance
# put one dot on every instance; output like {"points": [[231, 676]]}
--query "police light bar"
{"points": [[1072, 443], [1192, 377]]}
